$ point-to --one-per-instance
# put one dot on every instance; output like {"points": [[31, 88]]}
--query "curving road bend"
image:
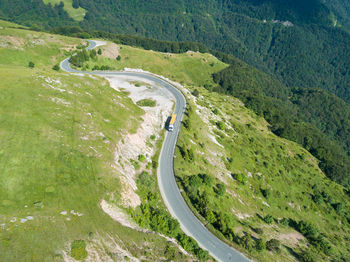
{"points": [[166, 179]]}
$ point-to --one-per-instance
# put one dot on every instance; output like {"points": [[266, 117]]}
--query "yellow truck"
{"points": [[171, 123]]}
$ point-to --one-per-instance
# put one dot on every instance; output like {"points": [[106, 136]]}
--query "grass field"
{"points": [[57, 141], [190, 68], [261, 175], [19, 47], [77, 14]]}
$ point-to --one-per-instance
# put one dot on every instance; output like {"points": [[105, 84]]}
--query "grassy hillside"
{"points": [[251, 186], [58, 135], [192, 68]]}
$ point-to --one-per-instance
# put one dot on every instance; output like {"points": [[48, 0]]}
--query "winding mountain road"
{"points": [[166, 179]]}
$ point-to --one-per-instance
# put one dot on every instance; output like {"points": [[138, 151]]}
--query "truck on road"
{"points": [[171, 123]]}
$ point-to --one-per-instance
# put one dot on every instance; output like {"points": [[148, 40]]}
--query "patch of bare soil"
{"points": [[133, 145], [8, 41], [111, 50], [118, 215], [291, 238]]}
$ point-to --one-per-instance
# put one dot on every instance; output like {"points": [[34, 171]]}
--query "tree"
{"points": [[75, 4], [31, 64], [99, 51], [273, 245], [119, 58], [93, 54]]}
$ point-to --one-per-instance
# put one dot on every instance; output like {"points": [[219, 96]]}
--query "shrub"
{"points": [[268, 219], [146, 179], [93, 54], [220, 189], [211, 218], [203, 255], [273, 245], [266, 193], [284, 221], [190, 154], [31, 64], [207, 180], [247, 242], [338, 207], [141, 158], [56, 67], [99, 51], [241, 178], [146, 103], [260, 245], [317, 198], [154, 164], [259, 231], [216, 111], [78, 250], [307, 256], [186, 242], [187, 124], [119, 58], [195, 181], [195, 92], [170, 252], [153, 137], [308, 230], [220, 125]]}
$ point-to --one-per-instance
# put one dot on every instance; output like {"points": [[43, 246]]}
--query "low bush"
{"points": [[146, 103], [78, 250], [268, 219], [273, 245]]}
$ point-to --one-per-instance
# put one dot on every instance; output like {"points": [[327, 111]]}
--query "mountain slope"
{"points": [[59, 187], [250, 186]]}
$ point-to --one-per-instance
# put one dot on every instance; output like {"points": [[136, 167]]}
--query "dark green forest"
{"points": [[296, 69]]}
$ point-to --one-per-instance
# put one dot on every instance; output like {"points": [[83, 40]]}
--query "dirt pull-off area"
{"points": [[111, 50], [133, 145]]}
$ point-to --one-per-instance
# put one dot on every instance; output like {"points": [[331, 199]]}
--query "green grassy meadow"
{"points": [[189, 68]]}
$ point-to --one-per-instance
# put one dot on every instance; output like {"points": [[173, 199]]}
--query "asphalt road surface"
{"points": [[166, 179]]}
